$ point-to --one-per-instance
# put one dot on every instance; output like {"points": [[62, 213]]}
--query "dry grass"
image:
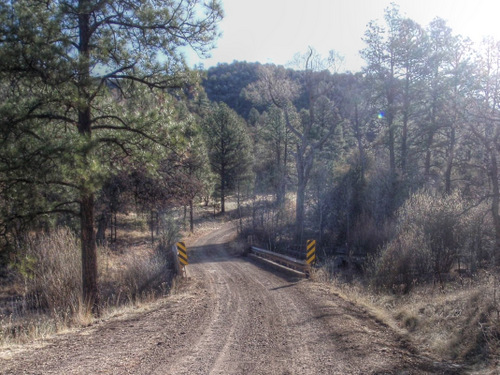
{"points": [[460, 322], [43, 295], [354, 291], [134, 278], [457, 322]]}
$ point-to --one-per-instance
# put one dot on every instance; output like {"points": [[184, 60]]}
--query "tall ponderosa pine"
{"points": [[59, 60], [228, 148], [397, 66]]}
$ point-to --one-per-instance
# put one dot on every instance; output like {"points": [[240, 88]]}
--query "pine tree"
{"points": [[228, 147], [59, 61]]}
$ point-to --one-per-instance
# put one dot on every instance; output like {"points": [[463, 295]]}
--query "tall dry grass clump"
{"points": [[47, 274], [50, 268], [48, 278], [139, 275], [141, 278]]}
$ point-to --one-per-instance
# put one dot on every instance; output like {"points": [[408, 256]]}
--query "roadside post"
{"points": [[311, 252], [182, 256]]}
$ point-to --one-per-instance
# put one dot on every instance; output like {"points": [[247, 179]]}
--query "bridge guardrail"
{"points": [[285, 260]]}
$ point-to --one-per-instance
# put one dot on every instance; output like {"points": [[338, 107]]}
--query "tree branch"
{"points": [[116, 142], [128, 129]]}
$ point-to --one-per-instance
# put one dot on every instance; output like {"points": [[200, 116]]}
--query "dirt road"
{"points": [[233, 316]]}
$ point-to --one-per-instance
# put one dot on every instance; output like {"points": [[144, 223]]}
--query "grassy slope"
{"points": [[458, 322]]}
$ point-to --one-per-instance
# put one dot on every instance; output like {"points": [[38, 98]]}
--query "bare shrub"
{"points": [[270, 224], [367, 237], [432, 233], [50, 268], [169, 229], [400, 262], [479, 250], [169, 235], [142, 277]]}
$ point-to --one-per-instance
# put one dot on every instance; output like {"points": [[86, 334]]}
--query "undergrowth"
{"points": [[43, 295], [457, 321]]}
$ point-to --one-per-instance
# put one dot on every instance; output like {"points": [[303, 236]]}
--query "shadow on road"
{"points": [[284, 286], [209, 254]]}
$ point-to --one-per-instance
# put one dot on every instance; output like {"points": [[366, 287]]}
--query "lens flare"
{"points": [[381, 115]]}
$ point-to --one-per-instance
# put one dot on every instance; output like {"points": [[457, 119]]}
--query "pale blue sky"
{"points": [[274, 30]]}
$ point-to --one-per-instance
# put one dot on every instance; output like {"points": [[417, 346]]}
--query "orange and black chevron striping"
{"points": [[311, 251], [182, 253]]}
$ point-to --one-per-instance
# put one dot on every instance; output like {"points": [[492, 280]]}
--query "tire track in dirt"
{"points": [[204, 352], [241, 334], [310, 351], [288, 311], [257, 342]]}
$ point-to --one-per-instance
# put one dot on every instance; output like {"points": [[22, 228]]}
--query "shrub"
{"points": [[400, 261], [169, 229], [431, 234], [367, 237], [50, 268], [141, 276]]}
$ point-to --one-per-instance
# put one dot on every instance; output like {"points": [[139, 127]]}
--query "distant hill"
{"points": [[225, 82]]}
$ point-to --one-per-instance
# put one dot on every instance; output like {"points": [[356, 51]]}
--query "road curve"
{"points": [[232, 316]]}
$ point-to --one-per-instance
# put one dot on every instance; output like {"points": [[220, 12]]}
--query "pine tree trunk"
{"points": [[495, 209], [404, 148], [191, 216], [392, 153], [299, 203], [89, 253], [89, 248], [449, 162], [238, 196], [184, 218], [88, 238], [152, 225], [102, 224], [222, 191], [390, 115], [359, 140]]}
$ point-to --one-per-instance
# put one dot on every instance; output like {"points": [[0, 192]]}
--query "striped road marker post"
{"points": [[182, 255], [311, 251]]}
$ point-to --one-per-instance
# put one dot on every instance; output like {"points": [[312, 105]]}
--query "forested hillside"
{"points": [[415, 128], [225, 83], [396, 165]]}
